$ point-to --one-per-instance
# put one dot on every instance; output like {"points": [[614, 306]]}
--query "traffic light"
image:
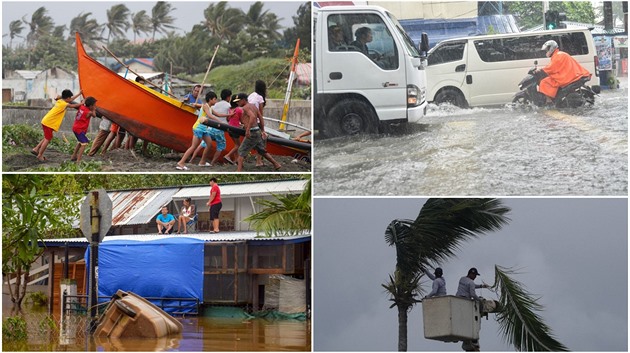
{"points": [[553, 19]]}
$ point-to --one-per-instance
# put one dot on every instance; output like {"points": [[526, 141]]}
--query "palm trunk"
{"points": [[402, 328]]}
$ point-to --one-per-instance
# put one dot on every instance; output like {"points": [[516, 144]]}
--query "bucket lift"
{"points": [[451, 319]]}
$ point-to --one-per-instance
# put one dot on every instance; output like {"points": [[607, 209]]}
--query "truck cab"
{"points": [[368, 71]]}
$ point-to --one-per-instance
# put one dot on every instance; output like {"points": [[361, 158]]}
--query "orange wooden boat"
{"points": [[152, 116]]}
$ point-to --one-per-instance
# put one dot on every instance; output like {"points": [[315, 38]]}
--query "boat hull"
{"points": [[150, 115]]}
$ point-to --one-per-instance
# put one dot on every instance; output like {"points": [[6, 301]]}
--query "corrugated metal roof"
{"points": [[221, 237], [250, 189], [139, 206]]}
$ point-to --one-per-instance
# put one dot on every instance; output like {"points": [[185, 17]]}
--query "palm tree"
{"points": [[440, 228], [161, 20], [140, 23], [223, 21], [89, 29], [40, 24], [288, 215], [117, 21], [262, 23], [15, 28]]}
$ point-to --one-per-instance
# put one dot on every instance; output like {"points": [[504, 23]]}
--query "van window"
{"points": [[447, 52], [528, 47], [380, 47]]}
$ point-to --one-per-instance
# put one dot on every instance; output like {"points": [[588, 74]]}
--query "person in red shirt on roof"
{"points": [[561, 71], [215, 204]]}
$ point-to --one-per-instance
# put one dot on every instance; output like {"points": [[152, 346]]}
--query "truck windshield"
{"points": [[411, 48]]}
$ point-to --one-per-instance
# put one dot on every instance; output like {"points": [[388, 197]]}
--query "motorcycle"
{"points": [[573, 95]]}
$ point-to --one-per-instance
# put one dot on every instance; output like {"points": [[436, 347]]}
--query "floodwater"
{"points": [[501, 151], [199, 334]]}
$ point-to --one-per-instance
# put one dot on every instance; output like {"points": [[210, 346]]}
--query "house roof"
{"points": [[27, 74], [139, 206], [148, 62], [218, 238], [245, 189]]}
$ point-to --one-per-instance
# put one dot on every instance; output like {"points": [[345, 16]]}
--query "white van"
{"points": [[358, 91], [486, 70]]}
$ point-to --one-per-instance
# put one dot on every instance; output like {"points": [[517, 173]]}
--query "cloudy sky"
{"points": [[186, 13], [572, 252]]}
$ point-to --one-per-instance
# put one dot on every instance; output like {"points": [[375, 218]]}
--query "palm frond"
{"points": [[404, 291], [519, 323], [443, 225]]}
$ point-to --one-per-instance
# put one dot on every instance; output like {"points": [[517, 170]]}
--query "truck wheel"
{"points": [[125, 309], [350, 117], [451, 96]]}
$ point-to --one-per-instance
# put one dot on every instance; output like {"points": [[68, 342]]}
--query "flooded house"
{"points": [[235, 267]]}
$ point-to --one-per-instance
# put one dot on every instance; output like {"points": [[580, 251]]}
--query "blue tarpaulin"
{"points": [[167, 268]]}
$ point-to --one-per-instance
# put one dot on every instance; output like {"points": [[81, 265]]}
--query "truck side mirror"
{"points": [[424, 42]]}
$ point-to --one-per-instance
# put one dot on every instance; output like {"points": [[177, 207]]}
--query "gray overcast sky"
{"points": [[572, 252], [186, 13]]}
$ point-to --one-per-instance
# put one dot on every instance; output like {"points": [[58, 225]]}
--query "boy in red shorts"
{"points": [[80, 127], [52, 120]]}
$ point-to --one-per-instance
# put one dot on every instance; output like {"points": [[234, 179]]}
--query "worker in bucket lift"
{"points": [[439, 283], [466, 289], [467, 285]]}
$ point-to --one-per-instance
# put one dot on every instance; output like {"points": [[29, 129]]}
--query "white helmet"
{"points": [[549, 47]]}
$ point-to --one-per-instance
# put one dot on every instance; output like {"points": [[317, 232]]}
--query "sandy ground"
{"points": [[121, 160]]}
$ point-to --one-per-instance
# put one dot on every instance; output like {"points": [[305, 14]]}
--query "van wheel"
{"points": [[451, 96], [350, 117], [125, 308]]}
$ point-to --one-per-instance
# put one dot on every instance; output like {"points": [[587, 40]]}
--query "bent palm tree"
{"points": [[140, 23], [161, 19], [15, 28], [117, 21], [440, 228]]}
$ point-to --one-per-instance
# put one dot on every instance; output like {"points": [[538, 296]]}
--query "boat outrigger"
{"points": [[153, 116]]}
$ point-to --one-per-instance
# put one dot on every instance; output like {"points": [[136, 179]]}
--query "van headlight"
{"points": [[415, 96]]}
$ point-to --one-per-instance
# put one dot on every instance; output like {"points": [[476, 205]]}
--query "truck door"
{"points": [[370, 65]]}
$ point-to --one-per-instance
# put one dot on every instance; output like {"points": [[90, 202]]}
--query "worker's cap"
{"points": [[438, 271], [474, 271]]}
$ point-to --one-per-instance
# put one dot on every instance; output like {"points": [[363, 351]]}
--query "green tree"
{"points": [[440, 228], [52, 51], [15, 28], [530, 13], [140, 23], [117, 21], [33, 207], [222, 21], [40, 25], [285, 216], [302, 28], [88, 28], [161, 19]]}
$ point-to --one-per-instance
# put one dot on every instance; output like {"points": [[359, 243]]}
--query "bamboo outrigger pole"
{"points": [[208, 71], [287, 97], [135, 73]]}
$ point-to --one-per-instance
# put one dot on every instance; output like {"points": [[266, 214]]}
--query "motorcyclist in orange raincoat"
{"points": [[561, 71]]}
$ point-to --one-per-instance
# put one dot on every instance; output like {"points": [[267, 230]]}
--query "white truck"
{"points": [[364, 85]]}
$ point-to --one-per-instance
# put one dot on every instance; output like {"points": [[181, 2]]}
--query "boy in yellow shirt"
{"points": [[52, 120]]}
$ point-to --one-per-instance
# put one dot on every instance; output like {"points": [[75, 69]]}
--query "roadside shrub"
{"points": [[14, 329], [38, 298], [19, 135], [47, 324]]}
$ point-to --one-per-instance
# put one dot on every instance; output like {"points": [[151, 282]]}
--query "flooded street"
{"points": [[199, 334], [486, 151]]}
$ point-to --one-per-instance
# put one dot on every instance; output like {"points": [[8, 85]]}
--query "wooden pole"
{"points": [[135, 73], [208, 70]]}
